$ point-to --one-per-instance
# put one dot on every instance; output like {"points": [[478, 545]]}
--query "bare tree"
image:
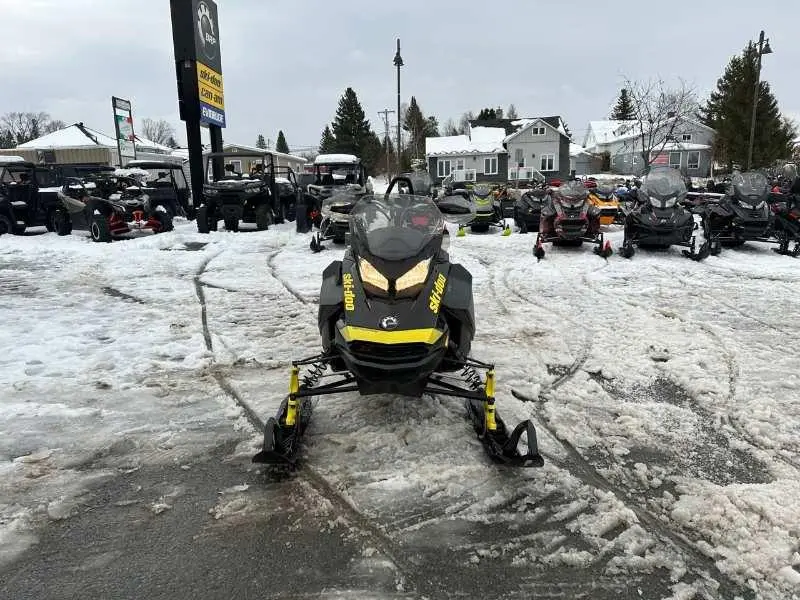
{"points": [[449, 127], [159, 131], [26, 126], [658, 112]]}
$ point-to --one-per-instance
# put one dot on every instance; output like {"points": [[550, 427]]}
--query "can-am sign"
{"points": [[209, 63]]}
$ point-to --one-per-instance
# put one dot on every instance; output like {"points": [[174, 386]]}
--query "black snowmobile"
{"points": [[741, 215], [658, 218], [397, 317], [488, 211], [528, 209], [569, 219], [786, 210], [335, 213], [125, 211]]}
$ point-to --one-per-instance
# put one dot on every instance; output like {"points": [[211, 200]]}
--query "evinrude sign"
{"points": [[209, 63]]}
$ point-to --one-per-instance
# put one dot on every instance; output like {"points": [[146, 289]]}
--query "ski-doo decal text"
{"points": [[349, 293], [437, 292]]}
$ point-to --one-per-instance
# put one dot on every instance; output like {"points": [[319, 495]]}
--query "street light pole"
{"points": [[398, 62], [763, 48]]}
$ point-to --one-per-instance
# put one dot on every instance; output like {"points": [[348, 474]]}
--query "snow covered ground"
{"points": [[665, 393]]}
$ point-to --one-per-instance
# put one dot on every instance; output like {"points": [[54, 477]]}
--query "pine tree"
{"points": [[171, 142], [418, 128], [623, 110], [281, 145], [327, 142], [511, 112], [729, 110], [352, 131], [260, 141], [487, 114], [6, 139]]}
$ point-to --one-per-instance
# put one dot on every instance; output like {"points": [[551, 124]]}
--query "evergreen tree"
{"points": [[511, 112], [172, 143], [327, 142], [729, 111], [281, 145], [352, 131], [7, 139], [623, 110], [487, 114], [260, 141], [419, 127]]}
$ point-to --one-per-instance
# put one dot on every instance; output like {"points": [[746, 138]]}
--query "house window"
{"points": [[686, 137], [537, 131], [693, 160], [442, 168], [459, 164], [635, 159], [519, 157], [490, 166], [548, 162], [675, 160], [237, 165]]}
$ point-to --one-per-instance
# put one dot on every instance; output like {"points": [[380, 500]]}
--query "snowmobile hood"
{"points": [[750, 188], [663, 188]]}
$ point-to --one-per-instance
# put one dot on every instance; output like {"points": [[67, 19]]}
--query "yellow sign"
{"points": [[209, 85]]}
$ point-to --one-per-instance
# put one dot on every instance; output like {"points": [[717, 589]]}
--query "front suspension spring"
{"points": [[315, 371], [472, 378]]}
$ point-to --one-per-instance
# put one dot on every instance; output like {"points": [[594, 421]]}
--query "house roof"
{"points": [[606, 132], [578, 150], [246, 148], [521, 125], [482, 140], [76, 135]]}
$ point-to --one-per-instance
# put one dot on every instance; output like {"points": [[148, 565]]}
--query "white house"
{"points": [[478, 154]]}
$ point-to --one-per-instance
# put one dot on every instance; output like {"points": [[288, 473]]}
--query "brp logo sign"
{"points": [[207, 30], [389, 323]]}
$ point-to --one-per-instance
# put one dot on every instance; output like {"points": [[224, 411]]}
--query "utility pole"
{"points": [[398, 62], [762, 48], [385, 113]]}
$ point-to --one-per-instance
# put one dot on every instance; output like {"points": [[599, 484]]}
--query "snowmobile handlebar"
{"points": [[397, 180]]}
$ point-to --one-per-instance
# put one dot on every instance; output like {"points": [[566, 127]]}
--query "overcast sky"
{"points": [[285, 64]]}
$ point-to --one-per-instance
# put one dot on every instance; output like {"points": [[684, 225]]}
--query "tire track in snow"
{"points": [[406, 570]]}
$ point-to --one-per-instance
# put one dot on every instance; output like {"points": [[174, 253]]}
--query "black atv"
{"points": [[124, 211], [236, 197], [658, 219], [19, 197], [396, 316], [339, 182], [568, 218], [165, 183]]}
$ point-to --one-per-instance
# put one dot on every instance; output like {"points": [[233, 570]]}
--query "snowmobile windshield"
{"points": [[395, 227], [571, 194], [750, 187], [481, 191], [663, 188], [604, 192], [342, 202]]}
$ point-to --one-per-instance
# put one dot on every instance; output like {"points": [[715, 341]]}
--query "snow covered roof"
{"points": [[244, 147], [684, 146], [11, 158], [325, 159], [577, 150], [482, 140], [556, 123], [606, 132], [145, 145], [76, 135]]}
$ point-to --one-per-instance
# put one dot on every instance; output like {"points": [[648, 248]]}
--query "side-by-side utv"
{"points": [[397, 317]]}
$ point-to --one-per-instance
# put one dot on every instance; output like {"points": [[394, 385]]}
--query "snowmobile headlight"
{"points": [[416, 275], [371, 276], [670, 202]]}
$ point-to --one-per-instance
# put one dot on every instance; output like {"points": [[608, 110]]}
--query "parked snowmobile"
{"points": [[658, 219], [488, 212], [397, 317], [741, 215], [528, 209], [604, 198], [786, 223], [569, 219], [108, 218]]}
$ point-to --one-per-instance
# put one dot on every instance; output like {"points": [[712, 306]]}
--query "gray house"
{"points": [[681, 143], [500, 150], [477, 156]]}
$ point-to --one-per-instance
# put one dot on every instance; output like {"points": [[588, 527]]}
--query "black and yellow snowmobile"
{"points": [[397, 317]]}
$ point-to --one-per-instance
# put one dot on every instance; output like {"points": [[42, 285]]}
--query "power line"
{"points": [[385, 114]]}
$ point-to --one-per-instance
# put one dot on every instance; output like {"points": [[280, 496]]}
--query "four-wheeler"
{"points": [[569, 219], [19, 196], [606, 201], [339, 182], [741, 215], [166, 182], [528, 209], [236, 197], [126, 210], [488, 210], [397, 317], [658, 218]]}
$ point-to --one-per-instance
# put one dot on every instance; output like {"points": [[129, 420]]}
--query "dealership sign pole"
{"points": [[198, 67], [123, 125]]}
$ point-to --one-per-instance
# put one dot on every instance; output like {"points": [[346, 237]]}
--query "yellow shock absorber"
{"points": [[294, 387], [488, 404]]}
